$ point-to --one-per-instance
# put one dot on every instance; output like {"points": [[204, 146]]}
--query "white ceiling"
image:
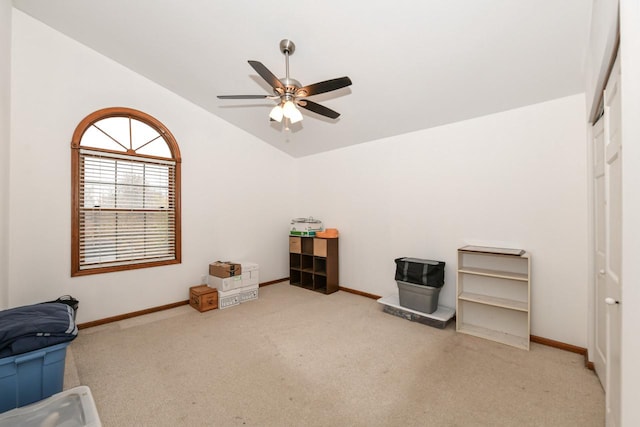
{"points": [[414, 64]]}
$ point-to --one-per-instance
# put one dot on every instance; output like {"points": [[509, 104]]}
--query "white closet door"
{"points": [[613, 238], [600, 252]]}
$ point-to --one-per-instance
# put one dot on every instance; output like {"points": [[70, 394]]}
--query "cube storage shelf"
{"points": [[313, 263], [494, 294]]}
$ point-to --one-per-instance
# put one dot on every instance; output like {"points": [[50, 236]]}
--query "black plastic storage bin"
{"points": [[420, 271]]}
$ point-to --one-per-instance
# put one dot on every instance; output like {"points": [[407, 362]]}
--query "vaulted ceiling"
{"points": [[414, 64]]}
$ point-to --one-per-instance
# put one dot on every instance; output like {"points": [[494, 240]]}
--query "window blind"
{"points": [[127, 210]]}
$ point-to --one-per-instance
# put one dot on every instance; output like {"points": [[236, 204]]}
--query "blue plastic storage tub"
{"points": [[29, 377]]}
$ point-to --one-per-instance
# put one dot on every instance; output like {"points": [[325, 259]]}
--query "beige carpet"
{"points": [[297, 358]]}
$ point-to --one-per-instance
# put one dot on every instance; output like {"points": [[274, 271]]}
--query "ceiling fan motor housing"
{"points": [[290, 86]]}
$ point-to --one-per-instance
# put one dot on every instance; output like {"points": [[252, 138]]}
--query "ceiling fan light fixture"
{"points": [[291, 112], [295, 116], [288, 109], [276, 113]]}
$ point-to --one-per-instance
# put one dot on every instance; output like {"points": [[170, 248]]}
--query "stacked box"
{"points": [[235, 282], [249, 274], [203, 298], [225, 269], [248, 293], [250, 282], [225, 284], [228, 299]]}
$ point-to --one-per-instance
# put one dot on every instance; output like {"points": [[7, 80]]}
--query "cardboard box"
{"points": [[320, 247], [250, 274], [249, 293], [203, 298], [295, 245], [225, 269], [225, 284], [229, 298]]}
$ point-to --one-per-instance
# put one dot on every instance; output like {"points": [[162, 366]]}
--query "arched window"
{"points": [[125, 193]]}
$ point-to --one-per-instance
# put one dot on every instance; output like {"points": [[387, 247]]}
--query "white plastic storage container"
{"points": [[73, 407], [305, 226]]}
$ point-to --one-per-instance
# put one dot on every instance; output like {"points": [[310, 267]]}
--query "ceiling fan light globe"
{"points": [[276, 113], [289, 109], [296, 116]]}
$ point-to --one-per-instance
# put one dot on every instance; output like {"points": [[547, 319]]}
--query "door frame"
{"points": [[630, 353]]}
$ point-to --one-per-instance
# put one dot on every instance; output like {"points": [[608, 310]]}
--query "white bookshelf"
{"points": [[493, 294]]}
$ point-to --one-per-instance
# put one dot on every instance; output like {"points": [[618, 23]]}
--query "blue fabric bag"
{"points": [[31, 327]]}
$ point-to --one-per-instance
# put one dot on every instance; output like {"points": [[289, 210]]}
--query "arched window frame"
{"points": [[77, 269]]}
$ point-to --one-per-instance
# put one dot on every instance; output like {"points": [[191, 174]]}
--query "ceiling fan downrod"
{"points": [[287, 47]]}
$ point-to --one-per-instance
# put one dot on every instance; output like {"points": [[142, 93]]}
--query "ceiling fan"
{"points": [[289, 93]]}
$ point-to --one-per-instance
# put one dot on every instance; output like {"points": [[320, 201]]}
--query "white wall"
{"points": [[236, 190], [516, 178], [5, 133], [630, 89]]}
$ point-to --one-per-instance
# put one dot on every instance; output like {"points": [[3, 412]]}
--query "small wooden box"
{"points": [[203, 298]]}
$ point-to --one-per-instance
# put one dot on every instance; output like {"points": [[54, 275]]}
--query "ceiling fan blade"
{"points": [[325, 86], [267, 75], [317, 108], [242, 96]]}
